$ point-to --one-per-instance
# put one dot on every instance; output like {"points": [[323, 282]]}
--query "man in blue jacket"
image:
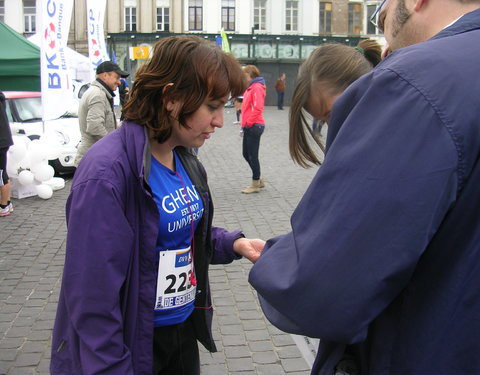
{"points": [[383, 261]]}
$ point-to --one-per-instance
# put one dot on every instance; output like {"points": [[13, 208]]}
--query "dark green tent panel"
{"points": [[19, 62]]}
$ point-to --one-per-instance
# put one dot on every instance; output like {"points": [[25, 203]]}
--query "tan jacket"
{"points": [[95, 116]]}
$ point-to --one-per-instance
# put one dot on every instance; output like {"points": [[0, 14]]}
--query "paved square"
{"points": [[32, 250]]}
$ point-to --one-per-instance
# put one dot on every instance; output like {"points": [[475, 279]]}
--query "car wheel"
{"points": [[60, 170]]}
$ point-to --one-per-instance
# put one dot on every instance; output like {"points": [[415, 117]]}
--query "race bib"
{"points": [[174, 286]]}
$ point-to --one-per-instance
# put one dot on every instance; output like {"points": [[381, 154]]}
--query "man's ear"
{"points": [[419, 4]]}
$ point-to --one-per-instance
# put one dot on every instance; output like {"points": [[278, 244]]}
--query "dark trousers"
{"points": [[280, 97], [175, 350], [3, 166], [251, 145]]}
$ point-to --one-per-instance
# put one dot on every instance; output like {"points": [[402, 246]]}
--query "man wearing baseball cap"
{"points": [[96, 116]]}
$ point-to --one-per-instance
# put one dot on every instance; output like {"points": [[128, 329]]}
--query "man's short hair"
{"points": [[108, 66]]}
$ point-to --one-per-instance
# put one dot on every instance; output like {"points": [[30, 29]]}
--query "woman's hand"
{"points": [[249, 248]]}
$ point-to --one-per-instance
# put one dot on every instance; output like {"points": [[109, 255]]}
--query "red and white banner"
{"points": [[97, 48], [54, 26]]}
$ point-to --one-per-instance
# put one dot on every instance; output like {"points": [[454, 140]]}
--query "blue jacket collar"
{"points": [[260, 80], [467, 22]]}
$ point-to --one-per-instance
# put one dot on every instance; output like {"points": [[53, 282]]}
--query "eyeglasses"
{"points": [[373, 17]]}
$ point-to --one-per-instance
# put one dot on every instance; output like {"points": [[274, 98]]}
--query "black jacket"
{"points": [[5, 133]]}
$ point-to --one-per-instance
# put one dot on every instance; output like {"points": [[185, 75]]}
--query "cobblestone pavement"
{"points": [[32, 250]]}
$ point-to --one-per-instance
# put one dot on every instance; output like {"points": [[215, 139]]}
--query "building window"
{"points": [[29, 16], [325, 18], [163, 19], [260, 15], [228, 15], [355, 18], [130, 19], [371, 29], [291, 15], [195, 15], [2, 10]]}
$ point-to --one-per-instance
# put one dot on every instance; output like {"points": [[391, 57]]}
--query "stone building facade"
{"points": [[276, 35]]}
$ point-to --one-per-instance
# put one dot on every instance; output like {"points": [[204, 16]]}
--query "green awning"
{"points": [[19, 62]]}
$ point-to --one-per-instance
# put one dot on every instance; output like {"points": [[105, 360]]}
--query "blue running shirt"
{"points": [[178, 201]]}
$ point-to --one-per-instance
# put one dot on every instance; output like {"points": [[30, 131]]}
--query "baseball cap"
{"points": [[108, 66]]}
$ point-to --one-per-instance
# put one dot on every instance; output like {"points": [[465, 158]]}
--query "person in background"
{"points": [[123, 90], [96, 115], [237, 102], [253, 125], [135, 294], [322, 78], [383, 260], [6, 206], [280, 86]]}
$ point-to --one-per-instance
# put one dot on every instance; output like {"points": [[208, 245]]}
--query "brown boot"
{"points": [[261, 183], [253, 188]]}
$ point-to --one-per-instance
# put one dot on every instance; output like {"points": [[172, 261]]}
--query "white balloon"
{"points": [[52, 145], [25, 177], [25, 162], [44, 191], [37, 155], [17, 152], [53, 151], [43, 172], [12, 168], [56, 183], [38, 165]]}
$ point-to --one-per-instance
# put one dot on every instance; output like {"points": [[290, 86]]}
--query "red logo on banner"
{"points": [[50, 35], [95, 48]]}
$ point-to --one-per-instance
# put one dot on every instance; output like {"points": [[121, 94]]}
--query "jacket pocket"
{"points": [[60, 363]]}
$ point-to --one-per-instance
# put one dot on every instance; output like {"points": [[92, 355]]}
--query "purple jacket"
{"points": [[104, 322]]}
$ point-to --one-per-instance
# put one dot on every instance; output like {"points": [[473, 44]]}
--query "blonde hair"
{"points": [[252, 71], [334, 66]]}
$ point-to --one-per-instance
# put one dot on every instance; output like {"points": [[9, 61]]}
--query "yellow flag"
{"points": [[225, 45], [140, 52]]}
